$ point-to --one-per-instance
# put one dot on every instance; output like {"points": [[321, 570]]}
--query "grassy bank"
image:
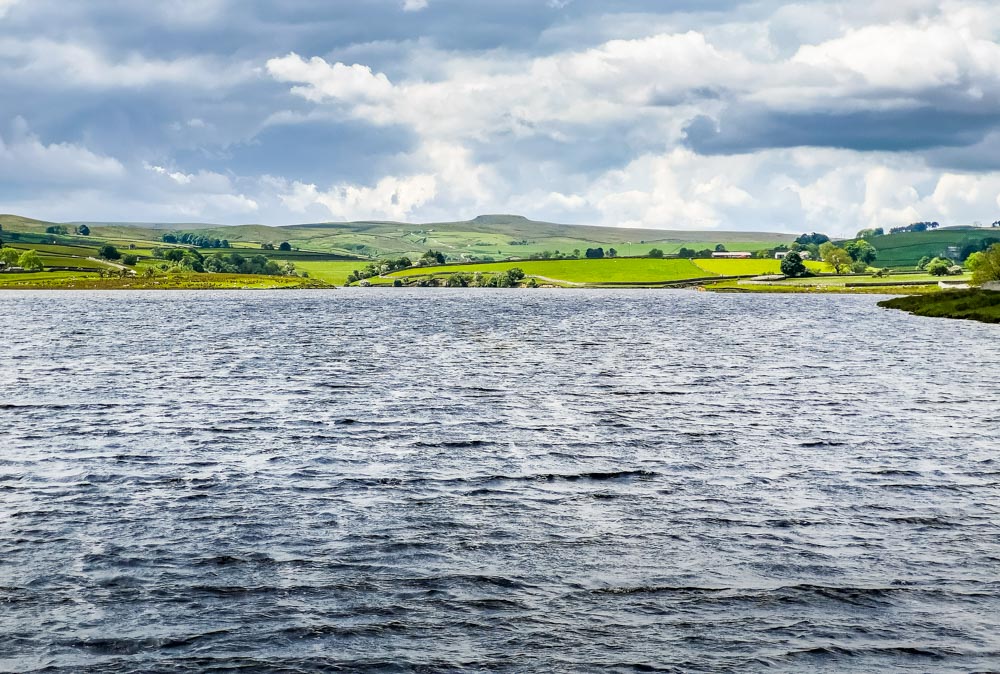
{"points": [[71, 281], [973, 305]]}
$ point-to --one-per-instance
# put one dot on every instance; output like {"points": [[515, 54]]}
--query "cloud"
{"points": [[697, 113], [351, 84], [25, 159], [41, 61], [393, 198]]}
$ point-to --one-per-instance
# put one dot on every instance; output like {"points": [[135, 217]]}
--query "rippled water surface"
{"points": [[492, 480]]}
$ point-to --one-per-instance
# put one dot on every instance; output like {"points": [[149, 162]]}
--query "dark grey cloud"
{"points": [[741, 130]]}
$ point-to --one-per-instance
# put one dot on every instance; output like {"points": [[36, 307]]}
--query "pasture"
{"points": [[596, 271]]}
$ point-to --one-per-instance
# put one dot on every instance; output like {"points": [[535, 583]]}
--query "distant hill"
{"points": [[496, 236], [501, 236]]}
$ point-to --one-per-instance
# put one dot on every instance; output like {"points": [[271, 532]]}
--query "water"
{"points": [[495, 480]]}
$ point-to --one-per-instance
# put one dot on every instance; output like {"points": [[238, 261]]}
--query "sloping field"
{"points": [[906, 249], [616, 270], [335, 272]]}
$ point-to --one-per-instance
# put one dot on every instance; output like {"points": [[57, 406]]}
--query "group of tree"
{"points": [[196, 240], [836, 257], [549, 255], [915, 227], [812, 239], [28, 260], [508, 279], [870, 233], [431, 257], [379, 268], [985, 265], [234, 263], [57, 229], [598, 253]]}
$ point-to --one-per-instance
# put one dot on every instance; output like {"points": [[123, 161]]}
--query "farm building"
{"points": [[732, 256], [804, 254]]}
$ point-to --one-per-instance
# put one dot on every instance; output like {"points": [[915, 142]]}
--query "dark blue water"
{"points": [[495, 481]]}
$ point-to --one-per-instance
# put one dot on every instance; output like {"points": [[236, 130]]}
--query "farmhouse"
{"points": [[732, 256], [804, 254]]}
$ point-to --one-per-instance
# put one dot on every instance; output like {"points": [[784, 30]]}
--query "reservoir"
{"points": [[487, 480]]}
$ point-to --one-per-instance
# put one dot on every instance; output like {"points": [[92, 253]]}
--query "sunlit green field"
{"points": [[749, 267], [334, 271], [618, 270]]}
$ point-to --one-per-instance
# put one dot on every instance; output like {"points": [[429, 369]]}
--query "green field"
{"points": [[615, 270], [334, 272], [749, 267]]}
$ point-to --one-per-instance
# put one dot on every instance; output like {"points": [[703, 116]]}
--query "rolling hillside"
{"points": [[907, 248], [486, 236]]}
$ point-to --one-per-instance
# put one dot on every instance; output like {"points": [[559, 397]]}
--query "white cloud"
{"points": [[352, 84], [414, 5], [393, 198], [25, 158]]}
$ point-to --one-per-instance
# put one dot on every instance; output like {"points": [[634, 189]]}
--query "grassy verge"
{"points": [[973, 305], [736, 287]]}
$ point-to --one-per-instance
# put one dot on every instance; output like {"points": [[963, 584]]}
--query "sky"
{"points": [[668, 114]]}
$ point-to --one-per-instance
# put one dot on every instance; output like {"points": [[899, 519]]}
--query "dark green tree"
{"points": [[108, 252], [792, 265]]}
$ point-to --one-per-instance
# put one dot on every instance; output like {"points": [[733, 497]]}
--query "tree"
{"points": [[29, 260], [130, 260], [433, 256], [594, 253], [285, 246], [169, 238], [938, 267], [812, 239], [837, 258], [56, 229], [686, 253], [83, 230], [924, 261], [793, 266], [9, 256], [656, 253], [267, 246], [861, 251], [612, 252], [720, 248], [108, 252], [976, 260], [989, 268]]}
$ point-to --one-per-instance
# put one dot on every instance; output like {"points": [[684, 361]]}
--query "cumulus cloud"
{"points": [[393, 198], [414, 5]]}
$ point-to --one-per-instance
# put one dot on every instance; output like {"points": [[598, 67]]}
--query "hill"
{"points": [[487, 236], [907, 248]]}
